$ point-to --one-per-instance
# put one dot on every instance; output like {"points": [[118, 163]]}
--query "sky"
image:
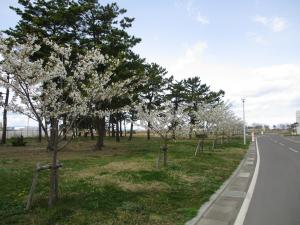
{"points": [[248, 48]]}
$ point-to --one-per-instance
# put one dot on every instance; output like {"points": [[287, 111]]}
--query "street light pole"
{"points": [[243, 100]]}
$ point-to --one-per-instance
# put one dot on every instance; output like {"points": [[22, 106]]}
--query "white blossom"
{"points": [[55, 87], [162, 120]]}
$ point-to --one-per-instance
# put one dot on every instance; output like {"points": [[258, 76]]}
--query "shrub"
{"points": [[18, 141], [201, 135]]}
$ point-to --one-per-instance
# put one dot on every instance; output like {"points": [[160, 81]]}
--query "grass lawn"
{"points": [[118, 185]]}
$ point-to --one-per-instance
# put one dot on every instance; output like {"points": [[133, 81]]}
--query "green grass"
{"points": [[119, 185]]}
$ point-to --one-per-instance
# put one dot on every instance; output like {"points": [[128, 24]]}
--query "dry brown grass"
{"points": [[128, 166], [186, 178], [109, 179], [37, 152], [105, 175]]}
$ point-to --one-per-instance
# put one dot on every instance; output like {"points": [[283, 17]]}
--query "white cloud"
{"points": [[257, 38], [261, 19], [202, 19], [193, 11], [271, 92], [276, 24], [192, 56]]}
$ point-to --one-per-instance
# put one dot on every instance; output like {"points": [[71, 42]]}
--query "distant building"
{"points": [[298, 121]]}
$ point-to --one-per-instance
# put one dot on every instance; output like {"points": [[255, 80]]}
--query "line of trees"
{"points": [[210, 119], [69, 65]]}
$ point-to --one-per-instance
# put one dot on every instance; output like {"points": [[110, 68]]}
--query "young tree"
{"points": [[219, 115], [43, 90], [228, 123], [204, 122], [55, 20], [162, 122], [214, 119]]}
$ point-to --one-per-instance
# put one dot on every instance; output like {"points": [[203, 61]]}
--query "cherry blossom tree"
{"points": [[204, 118], [230, 123], [214, 119], [163, 121], [48, 90]]}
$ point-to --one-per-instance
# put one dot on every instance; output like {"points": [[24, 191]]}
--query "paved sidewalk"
{"points": [[224, 207]]}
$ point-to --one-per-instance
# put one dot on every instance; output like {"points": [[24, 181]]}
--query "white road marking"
{"points": [[281, 144], [246, 203], [293, 150]]}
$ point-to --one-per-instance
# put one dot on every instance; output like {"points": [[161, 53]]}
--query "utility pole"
{"points": [[243, 100]]}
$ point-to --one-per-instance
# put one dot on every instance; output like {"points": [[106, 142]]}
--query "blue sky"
{"points": [[170, 25], [249, 48]]}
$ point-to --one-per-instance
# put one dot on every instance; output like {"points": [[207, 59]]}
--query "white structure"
{"points": [[298, 121]]}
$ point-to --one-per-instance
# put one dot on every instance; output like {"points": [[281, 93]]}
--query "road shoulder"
{"points": [[224, 206]]}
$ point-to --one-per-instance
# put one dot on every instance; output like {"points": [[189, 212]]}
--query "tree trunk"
{"points": [[109, 128], [113, 133], [53, 144], [148, 131], [4, 130], [165, 155], [76, 129], [190, 132], [124, 125], [40, 133], [92, 132], [131, 131], [120, 128], [173, 134], [46, 126], [101, 133], [64, 128], [117, 132]]}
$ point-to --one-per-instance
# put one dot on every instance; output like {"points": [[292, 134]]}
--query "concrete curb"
{"points": [[206, 206], [246, 203]]}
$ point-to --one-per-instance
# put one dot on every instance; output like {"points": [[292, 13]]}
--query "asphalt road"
{"points": [[276, 198]]}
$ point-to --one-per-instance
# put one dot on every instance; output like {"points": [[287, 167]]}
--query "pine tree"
{"points": [[154, 91], [197, 93]]}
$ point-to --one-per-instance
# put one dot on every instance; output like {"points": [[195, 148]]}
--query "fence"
{"points": [[24, 132]]}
